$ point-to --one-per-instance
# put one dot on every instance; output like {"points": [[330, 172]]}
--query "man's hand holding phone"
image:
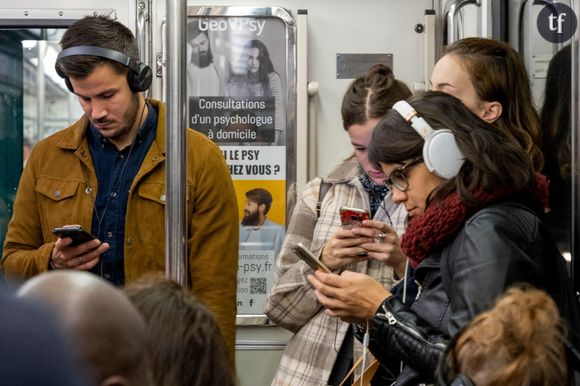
{"points": [[76, 248]]}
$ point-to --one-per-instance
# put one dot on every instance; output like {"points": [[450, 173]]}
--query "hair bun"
{"points": [[380, 69]]}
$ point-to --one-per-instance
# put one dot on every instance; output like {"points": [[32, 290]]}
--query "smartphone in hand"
{"points": [[305, 255], [75, 232], [353, 217]]}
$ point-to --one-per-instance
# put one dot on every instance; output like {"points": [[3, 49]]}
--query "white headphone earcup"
{"points": [[441, 154]]}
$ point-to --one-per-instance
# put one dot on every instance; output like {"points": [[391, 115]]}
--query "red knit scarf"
{"points": [[443, 220]]}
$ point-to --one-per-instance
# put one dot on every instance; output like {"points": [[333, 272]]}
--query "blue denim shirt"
{"points": [[115, 173]]}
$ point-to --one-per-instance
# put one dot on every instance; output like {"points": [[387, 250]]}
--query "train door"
{"points": [[34, 101]]}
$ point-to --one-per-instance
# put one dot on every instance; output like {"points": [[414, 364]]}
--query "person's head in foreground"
{"points": [[185, 344], [520, 341], [105, 331]]}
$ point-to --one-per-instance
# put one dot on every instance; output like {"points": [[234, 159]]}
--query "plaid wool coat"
{"points": [[311, 352]]}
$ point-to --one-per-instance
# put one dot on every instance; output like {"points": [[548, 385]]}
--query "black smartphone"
{"points": [[305, 255], [75, 232]]}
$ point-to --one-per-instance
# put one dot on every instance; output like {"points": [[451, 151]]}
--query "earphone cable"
{"points": [[120, 178], [118, 181]]}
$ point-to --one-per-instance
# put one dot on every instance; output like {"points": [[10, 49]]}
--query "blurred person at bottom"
{"points": [[185, 343], [106, 334], [520, 341], [316, 224], [33, 351]]}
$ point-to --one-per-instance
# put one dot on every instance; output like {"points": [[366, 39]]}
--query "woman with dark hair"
{"points": [[556, 124], [474, 231], [259, 79], [316, 224], [185, 345]]}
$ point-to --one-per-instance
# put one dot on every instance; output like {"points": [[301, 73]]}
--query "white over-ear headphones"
{"points": [[440, 151]]}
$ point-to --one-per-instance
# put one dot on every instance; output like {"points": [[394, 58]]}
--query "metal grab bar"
{"points": [[140, 32], [161, 58], [141, 35], [303, 159], [548, 3], [450, 15], [429, 46]]}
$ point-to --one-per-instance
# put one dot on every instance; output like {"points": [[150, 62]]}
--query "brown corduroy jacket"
{"points": [[58, 187]]}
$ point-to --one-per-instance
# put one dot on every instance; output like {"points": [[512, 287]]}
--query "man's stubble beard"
{"points": [[130, 116]]}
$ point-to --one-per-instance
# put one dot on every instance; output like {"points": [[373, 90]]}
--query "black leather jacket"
{"points": [[499, 246]]}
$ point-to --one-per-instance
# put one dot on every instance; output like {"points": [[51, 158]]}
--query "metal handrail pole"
{"points": [[176, 266]]}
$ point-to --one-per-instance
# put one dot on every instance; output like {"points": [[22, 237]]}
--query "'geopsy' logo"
{"points": [[557, 22]]}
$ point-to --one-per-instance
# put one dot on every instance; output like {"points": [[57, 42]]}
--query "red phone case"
{"points": [[353, 217]]}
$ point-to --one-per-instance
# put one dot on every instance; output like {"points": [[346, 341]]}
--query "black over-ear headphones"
{"points": [[139, 76], [440, 151]]}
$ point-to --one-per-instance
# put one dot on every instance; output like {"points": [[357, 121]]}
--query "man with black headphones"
{"points": [[106, 172]]}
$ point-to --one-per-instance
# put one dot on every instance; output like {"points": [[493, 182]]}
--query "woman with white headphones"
{"points": [[474, 200]]}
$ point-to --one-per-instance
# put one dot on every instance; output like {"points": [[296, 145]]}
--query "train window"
{"points": [[34, 103]]}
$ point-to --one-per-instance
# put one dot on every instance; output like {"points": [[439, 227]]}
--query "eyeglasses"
{"points": [[398, 178]]}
